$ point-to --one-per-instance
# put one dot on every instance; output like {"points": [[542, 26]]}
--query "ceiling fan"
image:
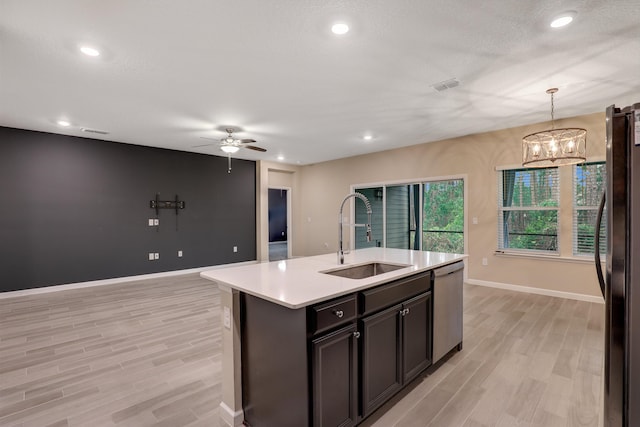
{"points": [[230, 145]]}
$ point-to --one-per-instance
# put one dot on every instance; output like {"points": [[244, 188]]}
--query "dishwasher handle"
{"points": [[449, 269]]}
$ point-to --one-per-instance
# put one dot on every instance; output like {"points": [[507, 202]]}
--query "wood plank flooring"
{"points": [[147, 353], [134, 354], [528, 360]]}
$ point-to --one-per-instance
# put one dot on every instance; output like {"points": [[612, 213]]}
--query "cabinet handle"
{"points": [[407, 311], [404, 312], [339, 313], [356, 334]]}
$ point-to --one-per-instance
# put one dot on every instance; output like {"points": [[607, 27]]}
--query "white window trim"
{"points": [[532, 253]]}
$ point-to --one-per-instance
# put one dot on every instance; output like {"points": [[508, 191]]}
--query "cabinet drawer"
{"points": [[386, 295], [333, 313]]}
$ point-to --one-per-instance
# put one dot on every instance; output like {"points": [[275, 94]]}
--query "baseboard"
{"points": [[229, 417], [115, 280], [538, 291]]}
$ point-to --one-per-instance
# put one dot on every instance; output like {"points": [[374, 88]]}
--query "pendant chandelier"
{"points": [[554, 147]]}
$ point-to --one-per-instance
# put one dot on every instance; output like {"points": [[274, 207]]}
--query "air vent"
{"points": [[100, 132], [446, 84]]}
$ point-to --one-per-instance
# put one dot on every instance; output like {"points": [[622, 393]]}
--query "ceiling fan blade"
{"points": [[201, 145], [246, 141], [254, 148], [209, 139]]}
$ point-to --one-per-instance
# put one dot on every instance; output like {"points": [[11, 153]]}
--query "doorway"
{"points": [[279, 247]]}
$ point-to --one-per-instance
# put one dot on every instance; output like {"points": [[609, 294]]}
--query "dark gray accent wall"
{"points": [[77, 209]]}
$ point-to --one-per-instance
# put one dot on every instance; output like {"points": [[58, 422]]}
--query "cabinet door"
{"points": [[335, 386], [381, 362], [416, 339]]}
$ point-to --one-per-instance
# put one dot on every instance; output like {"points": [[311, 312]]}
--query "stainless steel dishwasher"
{"points": [[447, 309]]}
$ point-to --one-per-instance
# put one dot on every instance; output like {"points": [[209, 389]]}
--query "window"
{"points": [[589, 180], [425, 216], [443, 223], [400, 220], [374, 195], [528, 209]]}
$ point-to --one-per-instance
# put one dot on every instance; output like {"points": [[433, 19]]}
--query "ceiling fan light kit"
{"points": [[229, 149], [554, 147], [230, 145]]}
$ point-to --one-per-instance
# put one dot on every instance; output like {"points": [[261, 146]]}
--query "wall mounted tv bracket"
{"points": [[158, 204]]}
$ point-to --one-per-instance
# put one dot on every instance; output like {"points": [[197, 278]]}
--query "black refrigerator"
{"points": [[621, 281]]}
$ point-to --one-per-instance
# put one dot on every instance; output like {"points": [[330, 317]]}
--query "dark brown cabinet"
{"points": [[381, 358], [334, 363], [335, 378], [416, 336], [396, 347]]}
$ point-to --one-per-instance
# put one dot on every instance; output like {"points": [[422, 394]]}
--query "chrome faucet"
{"points": [[340, 224]]}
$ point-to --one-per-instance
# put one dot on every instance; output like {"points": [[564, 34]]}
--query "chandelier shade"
{"points": [[554, 147]]}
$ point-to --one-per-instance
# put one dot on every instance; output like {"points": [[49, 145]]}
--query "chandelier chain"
{"points": [[552, 110]]}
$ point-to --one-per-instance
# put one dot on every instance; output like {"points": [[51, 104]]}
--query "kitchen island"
{"points": [[305, 345]]}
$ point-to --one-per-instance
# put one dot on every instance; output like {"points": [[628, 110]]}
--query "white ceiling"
{"points": [[174, 71]]}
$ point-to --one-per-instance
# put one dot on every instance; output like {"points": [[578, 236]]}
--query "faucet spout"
{"points": [[340, 222]]}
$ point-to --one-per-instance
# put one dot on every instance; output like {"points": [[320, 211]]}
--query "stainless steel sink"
{"points": [[362, 271]]}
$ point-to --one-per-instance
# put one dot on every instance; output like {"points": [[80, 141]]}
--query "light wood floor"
{"points": [[135, 354], [148, 353], [527, 361]]}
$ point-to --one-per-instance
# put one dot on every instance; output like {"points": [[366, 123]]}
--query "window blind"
{"points": [[589, 180]]}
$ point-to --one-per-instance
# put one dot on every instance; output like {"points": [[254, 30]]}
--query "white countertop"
{"points": [[297, 282]]}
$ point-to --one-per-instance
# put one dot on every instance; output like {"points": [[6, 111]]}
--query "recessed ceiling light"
{"points": [[89, 51], [63, 123], [368, 137], [280, 157], [340, 28], [563, 19]]}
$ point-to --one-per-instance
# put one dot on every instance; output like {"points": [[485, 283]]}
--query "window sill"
{"points": [[550, 257]]}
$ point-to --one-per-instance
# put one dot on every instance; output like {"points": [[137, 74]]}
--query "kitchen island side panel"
{"points": [[275, 375]]}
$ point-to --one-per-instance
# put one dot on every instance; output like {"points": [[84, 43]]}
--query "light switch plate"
{"points": [[156, 255], [150, 222], [151, 256], [179, 254], [156, 221], [235, 249]]}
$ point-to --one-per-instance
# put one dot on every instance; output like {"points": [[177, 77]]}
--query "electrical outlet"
{"points": [[226, 317], [179, 254], [156, 221], [150, 222], [235, 249], [156, 255], [485, 261], [474, 220], [151, 256]]}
